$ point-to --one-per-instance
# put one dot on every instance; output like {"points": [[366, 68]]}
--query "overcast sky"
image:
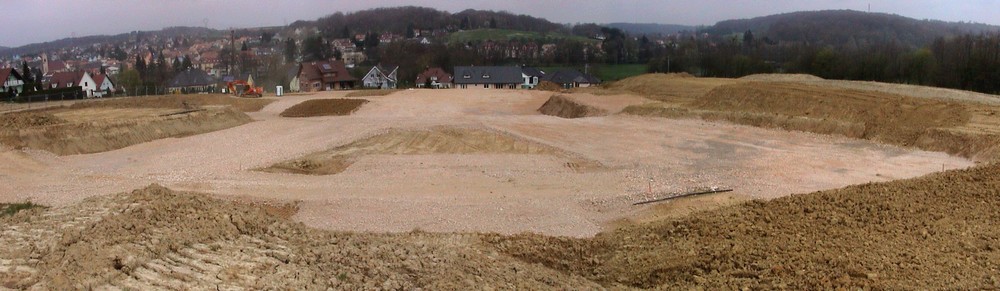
{"points": [[32, 21]]}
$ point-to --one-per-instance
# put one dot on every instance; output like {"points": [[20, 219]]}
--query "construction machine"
{"points": [[240, 88]]}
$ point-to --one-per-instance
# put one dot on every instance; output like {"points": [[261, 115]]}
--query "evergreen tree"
{"points": [[290, 50], [187, 63], [409, 31], [465, 23], [176, 65], [244, 48], [493, 22], [345, 33], [140, 67], [26, 73]]}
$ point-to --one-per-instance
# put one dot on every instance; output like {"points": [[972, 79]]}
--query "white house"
{"points": [[104, 85], [12, 81], [531, 76], [381, 77], [72, 79]]}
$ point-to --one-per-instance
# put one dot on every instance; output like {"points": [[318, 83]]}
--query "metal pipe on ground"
{"points": [[682, 195]]}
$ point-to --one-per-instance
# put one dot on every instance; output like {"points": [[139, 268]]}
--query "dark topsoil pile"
{"points": [[565, 107], [324, 107], [932, 232]]}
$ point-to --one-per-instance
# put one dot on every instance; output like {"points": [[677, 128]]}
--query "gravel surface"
{"points": [[475, 192]]}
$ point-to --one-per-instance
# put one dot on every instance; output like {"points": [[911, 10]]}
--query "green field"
{"points": [[506, 35], [607, 73]]}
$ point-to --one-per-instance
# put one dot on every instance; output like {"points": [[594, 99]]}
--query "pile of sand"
{"points": [[324, 107], [439, 140], [562, 106], [925, 233]]}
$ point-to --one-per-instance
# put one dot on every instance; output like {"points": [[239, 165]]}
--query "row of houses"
{"points": [[512, 77], [333, 75], [94, 85]]}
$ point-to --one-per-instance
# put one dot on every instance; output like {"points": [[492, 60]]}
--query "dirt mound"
{"points": [[179, 102], [445, 140], [926, 233], [70, 138], [549, 86], [781, 77], [27, 119], [562, 106], [324, 107], [156, 238], [931, 232]]}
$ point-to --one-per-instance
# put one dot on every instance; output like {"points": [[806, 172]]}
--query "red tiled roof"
{"points": [[5, 73], [60, 79], [442, 76], [56, 66], [99, 79], [318, 70]]}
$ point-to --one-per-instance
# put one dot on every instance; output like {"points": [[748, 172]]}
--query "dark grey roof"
{"points": [[191, 78], [488, 75], [532, 71], [568, 76]]}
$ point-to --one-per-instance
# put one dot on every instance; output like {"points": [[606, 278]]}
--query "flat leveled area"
{"points": [[642, 157]]}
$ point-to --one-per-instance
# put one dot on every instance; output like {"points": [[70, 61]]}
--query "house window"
{"points": [[70, 84], [85, 84], [466, 77], [486, 76]]}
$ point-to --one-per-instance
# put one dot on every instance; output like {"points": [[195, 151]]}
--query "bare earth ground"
{"points": [[493, 191], [484, 160]]}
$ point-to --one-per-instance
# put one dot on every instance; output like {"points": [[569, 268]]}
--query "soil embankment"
{"points": [[69, 138], [441, 140], [104, 125], [936, 124]]}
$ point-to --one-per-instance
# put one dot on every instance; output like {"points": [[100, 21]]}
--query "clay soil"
{"points": [[99, 126], [475, 189], [324, 107], [439, 140]]}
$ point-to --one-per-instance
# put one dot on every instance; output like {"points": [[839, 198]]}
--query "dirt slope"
{"points": [[96, 132], [936, 124], [155, 238], [179, 101], [926, 233]]}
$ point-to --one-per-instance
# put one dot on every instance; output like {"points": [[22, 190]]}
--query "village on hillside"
{"points": [[297, 60]]}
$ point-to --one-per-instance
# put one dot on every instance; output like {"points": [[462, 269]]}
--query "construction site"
{"points": [[660, 181]]}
